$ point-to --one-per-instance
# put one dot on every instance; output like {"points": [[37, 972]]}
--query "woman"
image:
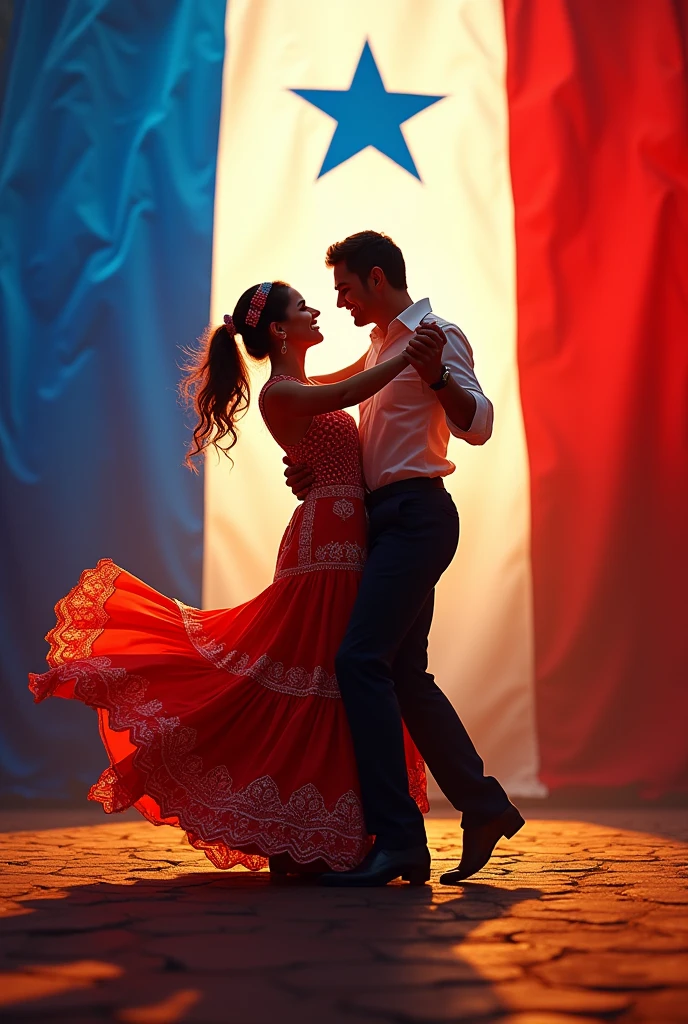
{"points": [[228, 723]]}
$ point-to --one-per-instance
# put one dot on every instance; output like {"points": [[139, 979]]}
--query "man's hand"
{"points": [[424, 352], [299, 478]]}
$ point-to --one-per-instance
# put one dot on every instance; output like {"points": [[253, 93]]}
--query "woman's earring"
{"points": [[283, 350]]}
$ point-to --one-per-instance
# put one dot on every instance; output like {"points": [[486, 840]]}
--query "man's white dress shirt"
{"points": [[403, 428]]}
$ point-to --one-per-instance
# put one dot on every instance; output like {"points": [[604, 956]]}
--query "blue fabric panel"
{"points": [[108, 145]]}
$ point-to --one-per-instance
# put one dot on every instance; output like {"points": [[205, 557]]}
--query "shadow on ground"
{"points": [[240, 947], [571, 922]]}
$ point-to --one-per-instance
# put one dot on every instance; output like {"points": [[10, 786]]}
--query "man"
{"points": [[414, 531]]}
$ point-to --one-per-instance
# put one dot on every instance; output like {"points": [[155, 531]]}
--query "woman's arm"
{"points": [[289, 398], [339, 375]]}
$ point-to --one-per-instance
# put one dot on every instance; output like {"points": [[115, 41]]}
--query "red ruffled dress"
{"points": [[228, 723]]}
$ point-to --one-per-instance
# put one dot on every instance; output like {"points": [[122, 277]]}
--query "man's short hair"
{"points": [[365, 250]]}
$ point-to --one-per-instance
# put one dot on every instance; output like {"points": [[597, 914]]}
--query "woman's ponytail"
{"points": [[216, 381]]}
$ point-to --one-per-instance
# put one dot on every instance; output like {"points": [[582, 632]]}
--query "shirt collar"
{"points": [[413, 314], [409, 318]]}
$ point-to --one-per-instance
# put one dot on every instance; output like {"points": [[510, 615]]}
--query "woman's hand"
{"points": [[424, 352]]}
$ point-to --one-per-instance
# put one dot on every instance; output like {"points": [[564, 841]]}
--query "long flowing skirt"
{"points": [[226, 723]]}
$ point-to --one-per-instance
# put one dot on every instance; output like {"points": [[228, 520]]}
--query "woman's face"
{"points": [[300, 323]]}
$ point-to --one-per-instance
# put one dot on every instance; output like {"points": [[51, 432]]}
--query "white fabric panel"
{"points": [[274, 220]]}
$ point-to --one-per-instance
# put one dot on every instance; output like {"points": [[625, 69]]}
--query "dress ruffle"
{"points": [[227, 724]]}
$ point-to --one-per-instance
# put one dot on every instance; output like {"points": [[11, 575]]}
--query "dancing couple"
{"points": [[292, 731]]}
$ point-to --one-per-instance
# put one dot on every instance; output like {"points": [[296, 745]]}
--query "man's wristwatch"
{"points": [[442, 382]]}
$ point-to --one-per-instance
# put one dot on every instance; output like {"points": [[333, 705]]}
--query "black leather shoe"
{"points": [[383, 866], [479, 842], [282, 866]]}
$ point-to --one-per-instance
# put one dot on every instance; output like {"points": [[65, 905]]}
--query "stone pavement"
{"points": [[580, 918]]}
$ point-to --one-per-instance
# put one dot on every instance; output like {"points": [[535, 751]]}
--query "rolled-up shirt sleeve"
{"points": [[458, 356]]}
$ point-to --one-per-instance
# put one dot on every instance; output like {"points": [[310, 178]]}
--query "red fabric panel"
{"points": [[599, 158]]}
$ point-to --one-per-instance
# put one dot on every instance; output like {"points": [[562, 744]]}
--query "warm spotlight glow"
{"points": [[456, 230], [166, 1011], [36, 981]]}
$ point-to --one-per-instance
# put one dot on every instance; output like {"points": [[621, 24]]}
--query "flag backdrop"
{"points": [[531, 159]]}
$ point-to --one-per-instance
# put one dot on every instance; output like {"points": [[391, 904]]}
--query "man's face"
{"points": [[353, 295]]}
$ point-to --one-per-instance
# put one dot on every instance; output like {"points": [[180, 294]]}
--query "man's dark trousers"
{"points": [[382, 668]]}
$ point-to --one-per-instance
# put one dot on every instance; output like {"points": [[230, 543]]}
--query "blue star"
{"points": [[367, 115]]}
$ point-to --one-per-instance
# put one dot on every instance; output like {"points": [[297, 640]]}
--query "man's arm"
{"points": [[339, 375], [299, 478], [458, 403], [469, 413]]}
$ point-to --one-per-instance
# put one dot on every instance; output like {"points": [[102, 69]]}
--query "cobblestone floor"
{"points": [[579, 918]]}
